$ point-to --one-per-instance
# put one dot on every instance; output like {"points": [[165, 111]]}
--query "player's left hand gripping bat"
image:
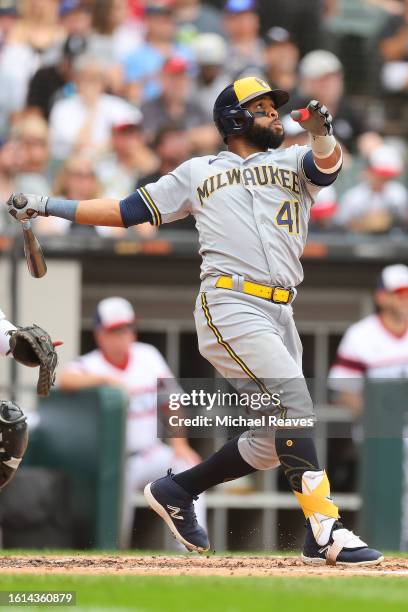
{"points": [[32, 248]]}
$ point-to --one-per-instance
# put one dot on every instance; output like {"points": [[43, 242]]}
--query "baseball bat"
{"points": [[302, 114], [32, 248], [33, 252]]}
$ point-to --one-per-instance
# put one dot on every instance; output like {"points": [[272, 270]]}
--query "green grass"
{"points": [[213, 594]]}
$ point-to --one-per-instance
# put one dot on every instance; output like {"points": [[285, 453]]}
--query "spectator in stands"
{"points": [[127, 160], [9, 163], [31, 135], [55, 81], [376, 347], [39, 26], [379, 201], [173, 147], [241, 24], [281, 57], [34, 41], [76, 179], [85, 120], [321, 78], [75, 18], [142, 67], [323, 211], [393, 47], [8, 17], [174, 105], [195, 17], [121, 360], [210, 56], [116, 33], [303, 19], [10, 98]]}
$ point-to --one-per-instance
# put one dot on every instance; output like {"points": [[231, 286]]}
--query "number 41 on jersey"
{"points": [[288, 216]]}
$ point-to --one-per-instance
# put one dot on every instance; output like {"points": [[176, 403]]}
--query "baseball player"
{"points": [[120, 359], [31, 346], [377, 347], [13, 424], [251, 205]]}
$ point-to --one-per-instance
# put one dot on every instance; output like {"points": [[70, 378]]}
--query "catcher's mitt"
{"points": [[32, 346]]}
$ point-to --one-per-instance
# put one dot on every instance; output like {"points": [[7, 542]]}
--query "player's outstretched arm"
{"points": [[103, 211], [163, 201]]}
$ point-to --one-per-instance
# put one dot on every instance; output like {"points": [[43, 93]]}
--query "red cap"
{"points": [[175, 65]]}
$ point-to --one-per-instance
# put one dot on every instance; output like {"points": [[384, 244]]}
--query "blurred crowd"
{"points": [[98, 97]]}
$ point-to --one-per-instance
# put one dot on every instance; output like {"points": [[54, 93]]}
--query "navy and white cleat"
{"points": [[343, 548], [175, 506]]}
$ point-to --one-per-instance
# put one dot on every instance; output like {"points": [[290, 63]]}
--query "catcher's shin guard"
{"points": [[13, 440]]}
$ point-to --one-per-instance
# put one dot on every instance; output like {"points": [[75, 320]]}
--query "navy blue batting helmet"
{"points": [[230, 115]]}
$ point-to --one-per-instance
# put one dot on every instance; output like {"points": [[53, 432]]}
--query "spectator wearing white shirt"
{"points": [[85, 120], [379, 201]]}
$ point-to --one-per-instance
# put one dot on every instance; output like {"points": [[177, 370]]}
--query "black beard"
{"points": [[264, 138]]}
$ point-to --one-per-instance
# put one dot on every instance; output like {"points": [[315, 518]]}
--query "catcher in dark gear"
{"points": [[14, 439], [31, 346]]}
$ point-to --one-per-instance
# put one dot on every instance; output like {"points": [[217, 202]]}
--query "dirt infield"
{"points": [[190, 565]]}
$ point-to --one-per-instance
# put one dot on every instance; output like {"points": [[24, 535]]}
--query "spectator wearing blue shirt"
{"points": [[142, 67]]}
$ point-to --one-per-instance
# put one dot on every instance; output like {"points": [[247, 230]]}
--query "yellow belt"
{"points": [[279, 295]]}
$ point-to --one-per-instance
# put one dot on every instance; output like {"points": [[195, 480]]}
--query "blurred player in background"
{"points": [[122, 361], [376, 347]]}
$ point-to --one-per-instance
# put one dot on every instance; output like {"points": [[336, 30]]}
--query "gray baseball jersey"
{"points": [[251, 214], [252, 217]]}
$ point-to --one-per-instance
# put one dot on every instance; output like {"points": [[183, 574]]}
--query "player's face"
{"points": [[267, 131], [395, 303], [115, 343]]}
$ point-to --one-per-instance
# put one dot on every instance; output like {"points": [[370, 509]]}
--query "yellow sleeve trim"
{"points": [[151, 205]]}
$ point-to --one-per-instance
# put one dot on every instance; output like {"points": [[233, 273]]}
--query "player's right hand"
{"points": [[24, 206]]}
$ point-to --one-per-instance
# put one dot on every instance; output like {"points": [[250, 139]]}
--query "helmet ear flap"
{"points": [[232, 121]]}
